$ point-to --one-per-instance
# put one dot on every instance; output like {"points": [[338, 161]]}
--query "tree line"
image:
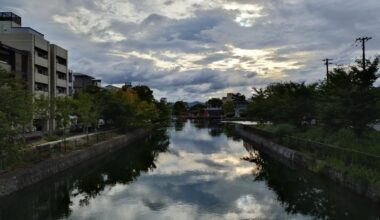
{"points": [[345, 98], [126, 108]]}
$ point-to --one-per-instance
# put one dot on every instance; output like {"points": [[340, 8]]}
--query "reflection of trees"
{"points": [[230, 131], [52, 199], [178, 125], [303, 192]]}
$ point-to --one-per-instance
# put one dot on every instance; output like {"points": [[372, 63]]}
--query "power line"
{"points": [[363, 40]]}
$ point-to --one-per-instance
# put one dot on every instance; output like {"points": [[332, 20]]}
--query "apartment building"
{"points": [[59, 73], [47, 72], [82, 81], [14, 60]]}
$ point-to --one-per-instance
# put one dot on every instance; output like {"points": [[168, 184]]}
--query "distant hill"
{"points": [[191, 104]]}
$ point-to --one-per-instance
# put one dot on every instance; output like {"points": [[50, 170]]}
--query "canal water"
{"points": [[187, 171]]}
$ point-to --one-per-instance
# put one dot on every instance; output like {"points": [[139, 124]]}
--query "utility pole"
{"points": [[363, 40], [327, 63]]}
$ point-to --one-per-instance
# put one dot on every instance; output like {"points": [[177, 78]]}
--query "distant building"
{"points": [[71, 83], [82, 81], [111, 88], [214, 113], [240, 103]]}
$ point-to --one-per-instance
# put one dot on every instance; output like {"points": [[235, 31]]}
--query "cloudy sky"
{"points": [[196, 49]]}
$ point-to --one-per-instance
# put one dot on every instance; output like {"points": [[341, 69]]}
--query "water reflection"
{"points": [[300, 191], [56, 197], [199, 170]]}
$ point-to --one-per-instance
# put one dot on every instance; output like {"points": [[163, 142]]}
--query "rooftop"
{"points": [[26, 30], [83, 75], [10, 16]]}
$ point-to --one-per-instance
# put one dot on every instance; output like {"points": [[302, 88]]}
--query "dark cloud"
{"points": [[198, 50]]}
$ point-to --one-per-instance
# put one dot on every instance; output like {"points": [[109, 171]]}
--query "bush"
{"points": [[284, 130]]}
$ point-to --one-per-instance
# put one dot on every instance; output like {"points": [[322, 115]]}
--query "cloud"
{"points": [[193, 49]]}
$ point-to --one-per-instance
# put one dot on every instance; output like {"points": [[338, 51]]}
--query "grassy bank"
{"points": [[355, 156], [368, 142]]}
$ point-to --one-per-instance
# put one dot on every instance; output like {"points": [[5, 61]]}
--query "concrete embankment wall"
{"points": [[283, 153], [23, 177]]}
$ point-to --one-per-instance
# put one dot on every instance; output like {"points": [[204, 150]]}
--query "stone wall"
{"points": [[280, 152], [23, 177]]}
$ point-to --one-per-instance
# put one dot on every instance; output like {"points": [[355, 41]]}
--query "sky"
{"points": [[197, 49]]}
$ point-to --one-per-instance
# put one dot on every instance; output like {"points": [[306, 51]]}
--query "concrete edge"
{"points": [[21, 178], [360, 187]]}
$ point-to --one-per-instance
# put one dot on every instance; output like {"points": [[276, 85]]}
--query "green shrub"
{"points": [[282, 130]]}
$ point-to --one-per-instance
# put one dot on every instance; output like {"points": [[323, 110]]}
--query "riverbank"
{"points": [[361, 186], [21, 178]]}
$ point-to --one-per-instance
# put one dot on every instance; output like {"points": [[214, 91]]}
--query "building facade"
{"points": [[82, 81], [46, 71], [13, 60]]}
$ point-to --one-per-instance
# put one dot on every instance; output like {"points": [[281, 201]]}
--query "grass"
{"points": [[368, 143]]}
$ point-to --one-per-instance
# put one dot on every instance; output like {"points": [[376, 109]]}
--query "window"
{"points": [[5, 57], [61, 75], [61, 61], [41, 53], [41, 70], [61, 90], [41, 87]]}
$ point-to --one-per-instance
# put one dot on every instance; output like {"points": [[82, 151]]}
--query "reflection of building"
{"points": [[82, 81], [214, 113], [43, 65]]}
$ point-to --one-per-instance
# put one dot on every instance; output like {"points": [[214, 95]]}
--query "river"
{"points": [[187, 171]]}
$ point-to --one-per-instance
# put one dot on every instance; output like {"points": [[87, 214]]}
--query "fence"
{"points": [[321, 150], [52, 149]]}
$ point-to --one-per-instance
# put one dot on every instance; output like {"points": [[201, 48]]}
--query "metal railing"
{"points": [[51, 150]]}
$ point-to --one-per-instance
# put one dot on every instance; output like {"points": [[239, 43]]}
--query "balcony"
{"points": [[41, 61], [61, 68], [41, 78], [62, 83]]}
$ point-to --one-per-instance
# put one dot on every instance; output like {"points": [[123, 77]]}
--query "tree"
{"points": [[214, 103], [179, 108], [228, 108], [63, 110], [257, 108], [87, 110], [43, 110], [198, 106], [16, 102], [287, 102], [164, 110], [348, 98], [144, 93], [16, 112]]}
